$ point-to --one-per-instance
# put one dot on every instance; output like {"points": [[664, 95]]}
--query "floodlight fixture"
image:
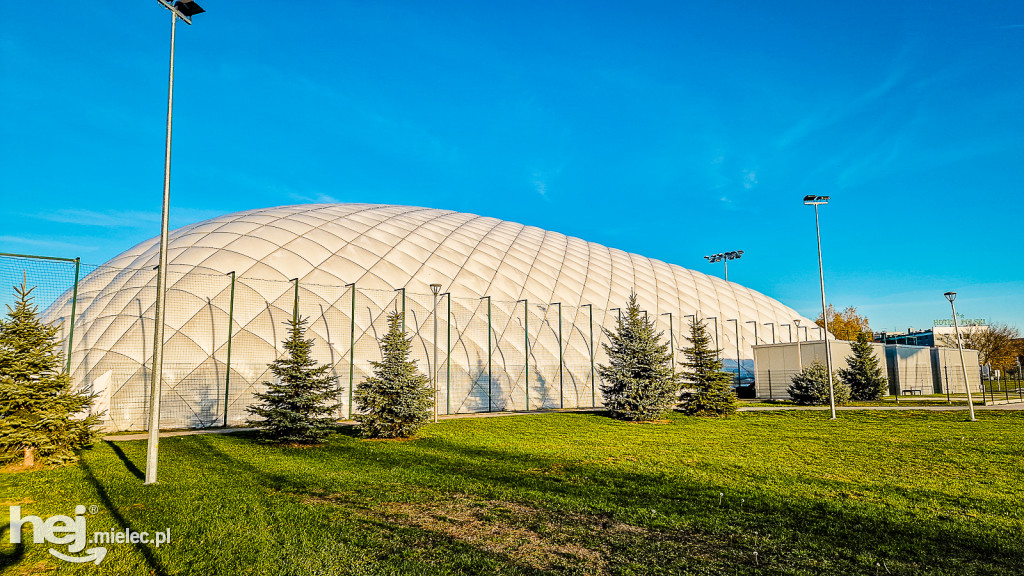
{"points": [[183, 9], [724, 258]]}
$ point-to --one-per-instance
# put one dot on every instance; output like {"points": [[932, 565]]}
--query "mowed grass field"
{"points": [[569, 493]]}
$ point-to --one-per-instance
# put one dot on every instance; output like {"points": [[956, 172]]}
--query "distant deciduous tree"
{"points": [[845, 325], [997, 344]]}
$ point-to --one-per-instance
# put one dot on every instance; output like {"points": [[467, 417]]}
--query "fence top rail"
{"points": [[37, 257]]}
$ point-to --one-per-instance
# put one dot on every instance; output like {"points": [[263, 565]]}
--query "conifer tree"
{"points": [[397, 400], [810, 386], [298, 406], [40, 416], [638, 382], [712, 393], [864, 376]]}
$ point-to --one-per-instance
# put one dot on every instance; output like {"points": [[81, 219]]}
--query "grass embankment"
{"points": [[923, 493]]}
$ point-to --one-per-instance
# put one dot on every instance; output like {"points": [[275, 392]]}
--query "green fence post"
{"points": [[74, 303], [590, 345], [561, 363], [671, 342], [489, 351], [227, 373], [448, 359], [526, 348], [352, 350], [402, 290], [295, 309], [593, 373]]}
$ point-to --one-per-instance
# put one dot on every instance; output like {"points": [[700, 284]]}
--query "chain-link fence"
{"points": [[773, 384], [222, 331]]}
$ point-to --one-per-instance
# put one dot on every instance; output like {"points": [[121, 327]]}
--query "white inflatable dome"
{"points": [[509, 277]]}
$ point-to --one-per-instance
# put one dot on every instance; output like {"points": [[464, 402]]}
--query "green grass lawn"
{"points": [[923, 492]]}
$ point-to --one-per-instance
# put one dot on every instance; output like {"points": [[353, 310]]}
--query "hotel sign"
{"points": [[962, 321]]}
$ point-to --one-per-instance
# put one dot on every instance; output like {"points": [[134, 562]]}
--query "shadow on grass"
{"points": [[8, 559], [392, 549], [128, 464], [681, 516], [156, 567]]}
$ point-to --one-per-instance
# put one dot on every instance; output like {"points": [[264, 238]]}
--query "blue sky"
{"points": [[672, 130]]}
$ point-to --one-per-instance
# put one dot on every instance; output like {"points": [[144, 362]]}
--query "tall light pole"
{"points": [[183, 9], [436, 289], [963, 363], [812, 200], [724, 258]]}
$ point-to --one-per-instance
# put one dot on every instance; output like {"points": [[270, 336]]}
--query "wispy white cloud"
{"points": [[825, 118], [539, 182], [108, 218], [132, 219], [54, 244], [749, 179], [317, 198]]}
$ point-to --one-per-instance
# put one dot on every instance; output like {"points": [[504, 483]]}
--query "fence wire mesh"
{"points": [[221, 332]]}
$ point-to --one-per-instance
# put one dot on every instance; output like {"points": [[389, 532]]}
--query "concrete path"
{"points": [[1017, 406]]}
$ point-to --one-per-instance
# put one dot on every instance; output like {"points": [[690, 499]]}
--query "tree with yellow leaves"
{"points": [[845, 325]]}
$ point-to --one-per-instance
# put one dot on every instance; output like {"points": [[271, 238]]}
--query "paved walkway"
{"points": [[1017, 406], [171, 433]]}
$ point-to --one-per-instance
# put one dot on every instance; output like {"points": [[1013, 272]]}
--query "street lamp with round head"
{"points": [[960, 346]]}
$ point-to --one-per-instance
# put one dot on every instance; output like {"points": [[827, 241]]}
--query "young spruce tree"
{"points": [[712, 393], [40, 416], [638, 380], [863, 375], [299, 404], [810, 386], [397, 400]]}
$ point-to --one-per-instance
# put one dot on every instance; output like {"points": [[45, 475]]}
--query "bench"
{"points": [[912, 392]]}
